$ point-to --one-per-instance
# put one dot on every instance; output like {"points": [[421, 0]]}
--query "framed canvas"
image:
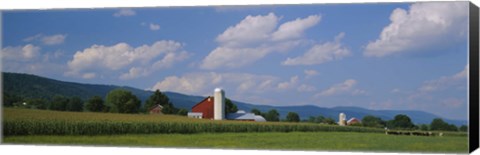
{"points": [[379, 77]]}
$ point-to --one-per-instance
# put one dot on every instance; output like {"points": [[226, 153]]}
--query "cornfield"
{"points": [[42, 122]]}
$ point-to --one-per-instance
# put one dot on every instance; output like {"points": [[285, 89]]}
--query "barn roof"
{"points": [[241, 116], [203, 101], [158, 105], [353, 119]]}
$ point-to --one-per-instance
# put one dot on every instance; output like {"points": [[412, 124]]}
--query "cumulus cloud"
{"points": [[99, 59], [238, 84], [154, 27], [47, 40], [321, 53], [348, 86], [202, 83], [310, 73], [30, 59], [423, 26], [233, 57], [306, 88], [255, 37], [20, 53], [252, 29], [124, 12], [445, 82], [294, 29], [288, 84]]}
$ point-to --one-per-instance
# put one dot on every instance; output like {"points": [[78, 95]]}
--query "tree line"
{"points": [[116, 101]]}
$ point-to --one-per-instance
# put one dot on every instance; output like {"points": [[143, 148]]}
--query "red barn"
{"points": [[156, 109], [353, 120], [205, 107]]}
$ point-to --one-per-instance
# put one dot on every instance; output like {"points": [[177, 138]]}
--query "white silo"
{"points": [[218, 104], [342, 118]]}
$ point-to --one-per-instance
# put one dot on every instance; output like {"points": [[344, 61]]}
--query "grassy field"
{"points": [[24, 126], [335, 141]]}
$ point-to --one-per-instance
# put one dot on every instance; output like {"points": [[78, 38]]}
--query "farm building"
{"points": [[157, 109], [214, 108], [204, 107], [353, 120], [244, 116]]}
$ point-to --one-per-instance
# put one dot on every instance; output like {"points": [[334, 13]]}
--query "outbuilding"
{"points": [[157, 109]]}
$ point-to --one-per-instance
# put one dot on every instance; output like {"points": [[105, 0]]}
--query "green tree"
{"points": [[122, 101], [372, 121], [311, 119], [424, 127], [132, 105], [292, 117], [9, 99], [36, 103], [256, 111], [272, 116], [400, 122], [439, 124], [463, 128], [230, 107], [58, 103], [182, 112], [74, 104], [329, 121], [320, 119], [160, 98], [95, 104]]}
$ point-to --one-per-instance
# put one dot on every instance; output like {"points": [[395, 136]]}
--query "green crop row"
{"points": [[61, 127]]}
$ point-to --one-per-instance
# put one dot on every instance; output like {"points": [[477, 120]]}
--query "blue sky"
{"points": [[378, 56]]}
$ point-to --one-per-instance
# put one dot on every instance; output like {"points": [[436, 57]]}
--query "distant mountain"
{"points": [[418, 117], [32, 86]]}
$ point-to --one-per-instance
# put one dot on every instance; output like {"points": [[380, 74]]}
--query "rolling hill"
{"points": [[32, 86]]}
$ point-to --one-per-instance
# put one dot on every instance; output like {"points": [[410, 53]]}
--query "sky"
{"points": [[397, 56]]}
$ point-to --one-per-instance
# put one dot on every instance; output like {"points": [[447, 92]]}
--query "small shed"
{"points": [[198, 115], [157, 109]]}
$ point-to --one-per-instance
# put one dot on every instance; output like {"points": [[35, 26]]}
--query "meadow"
{"points": [[23, 126]]}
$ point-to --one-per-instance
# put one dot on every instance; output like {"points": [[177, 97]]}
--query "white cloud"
{"points": [[310, 73], [288, 84], [423, 26], [255, 37], [396, 90], [54, 39], [20, 53], [89, 75], [154, 27], [453, 102], [445, 82], [306, 88], [321, 53], [47, 40], [133, 73], [100, 58], [252, 29], [233, 57], [124, 12], [203, 83], [348, 86], [237, 84], [294, 29], [30, 59]]}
